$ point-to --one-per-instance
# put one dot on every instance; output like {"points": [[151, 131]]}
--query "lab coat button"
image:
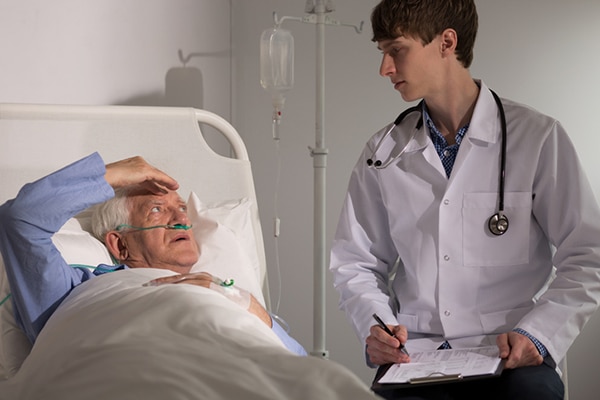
{"points": [[447, 313], [447, 257], [446, 202]]}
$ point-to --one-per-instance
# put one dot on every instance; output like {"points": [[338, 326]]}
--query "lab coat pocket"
{"points": [[481, 248]]}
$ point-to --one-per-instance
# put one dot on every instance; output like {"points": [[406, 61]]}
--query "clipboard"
{"points": [[386, 389], [431, 378]]}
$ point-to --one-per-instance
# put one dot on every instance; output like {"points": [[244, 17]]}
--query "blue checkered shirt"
{"points": [[447, 153], [541, 348]]}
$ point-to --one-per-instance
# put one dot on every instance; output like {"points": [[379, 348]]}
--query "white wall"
{"points": [[118, 52], [541, 52], [115, 51]]}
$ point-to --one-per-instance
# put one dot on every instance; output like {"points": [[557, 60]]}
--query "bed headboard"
{"points": [[38, 139]]}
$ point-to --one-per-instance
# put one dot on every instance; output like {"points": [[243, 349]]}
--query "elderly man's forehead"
{"points": [[148, 198]]}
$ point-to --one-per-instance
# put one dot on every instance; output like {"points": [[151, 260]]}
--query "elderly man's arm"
{"points": [[38, 275]]}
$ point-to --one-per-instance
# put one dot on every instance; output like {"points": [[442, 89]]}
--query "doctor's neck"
{"points": [[453, 109]]}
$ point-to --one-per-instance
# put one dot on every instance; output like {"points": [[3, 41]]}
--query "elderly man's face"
{"points": [[173, 249]]}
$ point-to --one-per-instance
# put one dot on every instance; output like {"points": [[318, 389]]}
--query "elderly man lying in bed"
{"points": [[142, 220]]}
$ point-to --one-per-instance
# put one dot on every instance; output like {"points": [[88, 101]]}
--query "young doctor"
{"points": [[475, 199]]}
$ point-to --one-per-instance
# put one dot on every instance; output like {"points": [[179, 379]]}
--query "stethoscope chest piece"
{"points": [[498, 224]]}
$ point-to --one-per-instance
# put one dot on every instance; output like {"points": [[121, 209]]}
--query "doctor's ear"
{"points": [[449, 40]]}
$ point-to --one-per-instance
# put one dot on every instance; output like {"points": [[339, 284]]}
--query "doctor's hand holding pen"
{"points": [[385, 344]]}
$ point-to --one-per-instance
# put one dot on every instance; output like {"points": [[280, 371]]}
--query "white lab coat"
{"points": [[455, 278]]}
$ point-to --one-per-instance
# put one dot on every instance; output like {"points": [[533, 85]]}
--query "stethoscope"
{"points": [[497, 223]]}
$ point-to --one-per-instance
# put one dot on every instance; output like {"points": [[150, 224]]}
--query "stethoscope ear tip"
{"points": [[375, 164]]}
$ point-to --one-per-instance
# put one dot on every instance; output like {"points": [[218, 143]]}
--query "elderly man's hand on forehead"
{"points": [[136, 171]]}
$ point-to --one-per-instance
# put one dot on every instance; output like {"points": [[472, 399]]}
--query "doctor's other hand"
{"points": [[385, 349], [136, 171], [518, 350]]}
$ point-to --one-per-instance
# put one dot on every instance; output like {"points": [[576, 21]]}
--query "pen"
{"points": [[387, 330]]}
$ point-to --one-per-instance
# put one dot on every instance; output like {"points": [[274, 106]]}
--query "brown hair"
{"points": [[426, 19]]}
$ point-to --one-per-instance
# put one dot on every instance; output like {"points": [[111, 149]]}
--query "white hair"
{"points": [[110, 214]]}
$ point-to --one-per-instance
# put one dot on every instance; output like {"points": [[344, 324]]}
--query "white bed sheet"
{"points": [[113, 338]]}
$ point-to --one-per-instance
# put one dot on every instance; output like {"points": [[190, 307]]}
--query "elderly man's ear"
{"points": [[116, 246]]}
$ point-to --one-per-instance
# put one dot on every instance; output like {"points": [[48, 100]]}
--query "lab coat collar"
{"points": [[483, 127], [485, 121]]}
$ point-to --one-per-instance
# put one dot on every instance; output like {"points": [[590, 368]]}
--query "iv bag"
{"points": [[277, 62]]}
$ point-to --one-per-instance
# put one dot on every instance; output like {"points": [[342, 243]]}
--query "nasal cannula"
{"points": [[141, 228]]}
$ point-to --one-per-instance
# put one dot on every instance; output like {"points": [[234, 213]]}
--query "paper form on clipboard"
{"points": [[448, 364]]}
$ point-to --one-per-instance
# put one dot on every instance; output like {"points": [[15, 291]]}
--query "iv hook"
{"points": [[312, 19]]}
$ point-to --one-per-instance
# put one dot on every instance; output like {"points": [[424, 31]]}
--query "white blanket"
{"points": [[113, 338]]}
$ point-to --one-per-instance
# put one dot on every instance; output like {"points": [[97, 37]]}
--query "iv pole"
{"points": [[317, 10]]}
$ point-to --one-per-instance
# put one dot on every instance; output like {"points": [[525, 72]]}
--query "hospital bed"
{"points": [[113, 337]]}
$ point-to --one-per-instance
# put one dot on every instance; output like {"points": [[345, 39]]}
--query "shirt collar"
{"points": [[436, 136]]}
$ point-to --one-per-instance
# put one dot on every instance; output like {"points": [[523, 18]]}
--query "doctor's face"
{"points": [[173, 249], [411, 66]]}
